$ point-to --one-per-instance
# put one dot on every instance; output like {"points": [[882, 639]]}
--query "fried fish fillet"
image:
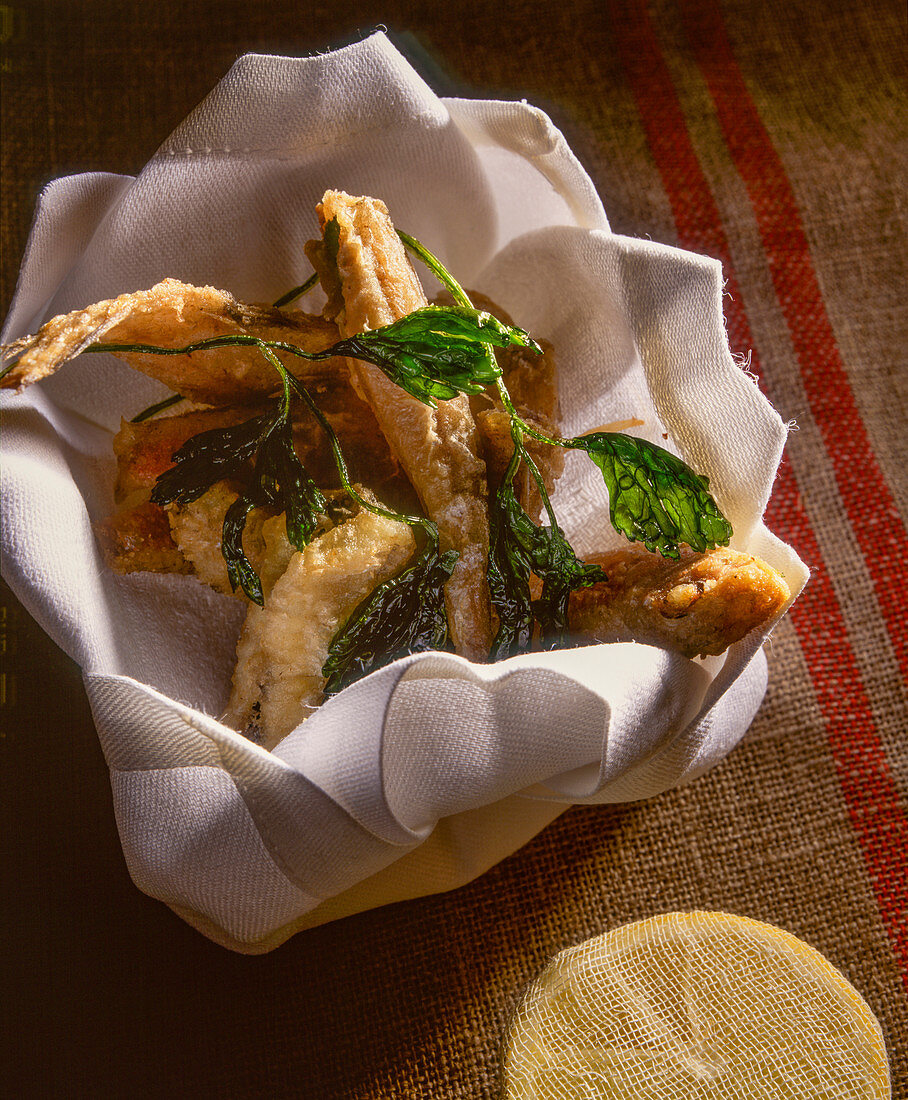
{"points": [[137, 539], [278, 680], [698, 605], [174, 314], [138, 536], [145, 450], [371, 283], [196, 530]]}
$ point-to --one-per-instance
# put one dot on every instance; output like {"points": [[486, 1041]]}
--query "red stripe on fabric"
{"points": [[870, 794], [868, 500]]}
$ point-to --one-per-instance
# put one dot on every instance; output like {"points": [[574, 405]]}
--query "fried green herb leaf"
{"points": [[437, 352], [654, 497], [276, 478], [511, 544], [239, 568], [209, 457], [519, 548], [296, 493], [562, 573], [404, 615]]}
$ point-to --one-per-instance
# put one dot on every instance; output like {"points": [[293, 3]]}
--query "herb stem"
{"points": [[175, 398], [339, 461], [437, 268], [297, 292], [236, 340], [518, 425], [159, 406]]}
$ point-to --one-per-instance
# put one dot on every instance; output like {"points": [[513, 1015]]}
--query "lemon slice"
{"points": [[694, 1006]]}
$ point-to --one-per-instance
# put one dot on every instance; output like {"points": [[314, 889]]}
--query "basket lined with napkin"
{"points": [[427, 772]]}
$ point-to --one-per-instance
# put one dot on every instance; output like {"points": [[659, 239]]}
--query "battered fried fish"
{"points": [[145, 450], [173, 314], [698, 605], [283, 646], [138, 536], [371, 283], [452, 455], [196, 530], [137, 539]]}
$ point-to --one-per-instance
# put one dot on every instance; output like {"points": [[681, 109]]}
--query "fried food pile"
{"points": [[402, 455]]}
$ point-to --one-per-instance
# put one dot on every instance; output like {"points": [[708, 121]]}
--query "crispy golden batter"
{"points": [[278, 679], [196, 530], [698, 605], [137, 539], [173, 314], [438, 448]]}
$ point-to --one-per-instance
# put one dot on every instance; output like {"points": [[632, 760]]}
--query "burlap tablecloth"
{"points": [[768, 135]]}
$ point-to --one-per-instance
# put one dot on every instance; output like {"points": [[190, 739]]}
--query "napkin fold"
{"points": [[426, 773]]}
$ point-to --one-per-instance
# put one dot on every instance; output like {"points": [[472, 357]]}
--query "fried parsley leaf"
{"points": [[404, 615], [519, 549], [209, 457], [511, 543], [239, 568], [276, 478], [437, 352], [288, 485], [562, 573], [654, 497]]}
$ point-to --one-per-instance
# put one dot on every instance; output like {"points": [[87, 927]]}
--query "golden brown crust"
{"points": [[438, 448], [698, 605], [173, 314], [196, 528], [137, 539], [283, 646]]}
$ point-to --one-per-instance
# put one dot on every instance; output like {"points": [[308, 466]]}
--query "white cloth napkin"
{"points": [[426, 773]]}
